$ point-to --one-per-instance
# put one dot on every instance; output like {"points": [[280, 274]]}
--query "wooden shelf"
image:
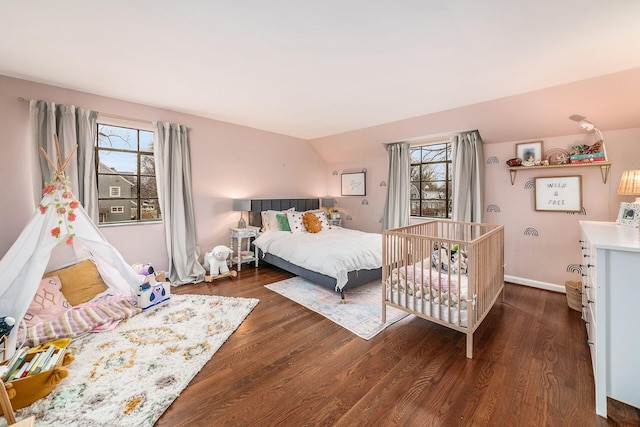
{"points": [[604, 169]]}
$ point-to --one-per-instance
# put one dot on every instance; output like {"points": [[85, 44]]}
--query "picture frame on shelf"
{"points": [[558, 193], [354, 184], [530, 152], [629, 214]]}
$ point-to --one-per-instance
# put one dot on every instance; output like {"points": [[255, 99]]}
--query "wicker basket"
{"points": [[574, 294]]}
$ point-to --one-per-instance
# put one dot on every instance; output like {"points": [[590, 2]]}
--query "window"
{"points": [[126, 173], [431, 180]]}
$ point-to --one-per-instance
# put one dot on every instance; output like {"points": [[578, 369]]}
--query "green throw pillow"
{"points": [[283, 222]]}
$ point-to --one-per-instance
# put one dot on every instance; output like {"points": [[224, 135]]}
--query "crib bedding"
{"points": [[333, 252]]}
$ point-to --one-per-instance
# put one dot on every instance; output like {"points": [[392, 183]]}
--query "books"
{"points": [[21, 366]]}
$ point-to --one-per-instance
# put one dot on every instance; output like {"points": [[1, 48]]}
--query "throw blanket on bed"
{"points": [[79, 320], [332, 252]]}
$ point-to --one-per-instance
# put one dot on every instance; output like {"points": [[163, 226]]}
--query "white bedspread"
{"points": [[332, 252]]}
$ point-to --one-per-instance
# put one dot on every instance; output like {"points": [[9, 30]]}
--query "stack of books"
{"points": [[588, 158], [24, 364]]}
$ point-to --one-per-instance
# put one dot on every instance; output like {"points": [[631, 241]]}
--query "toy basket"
{"points": [[574, 294], [24, 391]]}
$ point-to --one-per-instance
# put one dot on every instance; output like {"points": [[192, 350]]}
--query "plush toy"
{"points": [[6, 324], [143, 269], [152, 292], [215, 260]]}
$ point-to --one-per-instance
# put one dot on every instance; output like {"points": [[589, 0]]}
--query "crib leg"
{"points": [[469, 345]]}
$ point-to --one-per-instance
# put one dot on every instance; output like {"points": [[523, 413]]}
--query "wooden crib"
{"points": [[447, 272]]}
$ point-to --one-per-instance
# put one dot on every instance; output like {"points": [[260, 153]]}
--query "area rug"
{"points": [[130, 375], [360, 313]]}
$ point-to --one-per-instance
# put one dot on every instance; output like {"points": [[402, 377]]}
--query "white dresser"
{"points": [[611, 309]]}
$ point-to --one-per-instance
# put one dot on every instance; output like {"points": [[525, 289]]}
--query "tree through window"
{"points": [[431, 180], [126, 175]]}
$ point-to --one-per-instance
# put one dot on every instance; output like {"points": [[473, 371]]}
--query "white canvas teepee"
{"points": [[60, 220]]}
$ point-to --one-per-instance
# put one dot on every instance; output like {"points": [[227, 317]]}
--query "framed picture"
{"points": [[558, 193], [353, 184], [529, 152], [629, 214]]}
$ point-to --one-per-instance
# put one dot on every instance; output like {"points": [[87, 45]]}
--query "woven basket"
{"points": [[574, 295]]}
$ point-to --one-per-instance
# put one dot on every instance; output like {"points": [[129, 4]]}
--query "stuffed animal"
{"points": [[6, 324], [215, 260], [143, 269]]}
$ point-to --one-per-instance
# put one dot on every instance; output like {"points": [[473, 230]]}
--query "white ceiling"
{"points": [[315, 68]]}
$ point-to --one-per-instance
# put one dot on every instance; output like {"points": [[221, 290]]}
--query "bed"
{"points": [[345, 274], [450, 273]]}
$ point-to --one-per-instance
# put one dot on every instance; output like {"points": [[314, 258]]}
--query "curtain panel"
{"points": [[468, 177], [73, 125], [173, 175], [397, 206]]}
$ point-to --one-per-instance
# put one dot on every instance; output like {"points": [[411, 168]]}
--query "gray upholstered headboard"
{"points": [[259, 205]]}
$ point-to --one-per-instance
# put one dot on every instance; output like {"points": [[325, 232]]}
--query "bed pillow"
{"points": [[270, 219], [48, 302], [311, 222], [295, 222], [322, 216], [283, 222], [80, 282]]}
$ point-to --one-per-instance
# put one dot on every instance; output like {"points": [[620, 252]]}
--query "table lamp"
{"points": [[630, 184], [242, 206]]}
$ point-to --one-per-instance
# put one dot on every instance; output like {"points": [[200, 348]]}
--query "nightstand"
{"points": [[240, 256], [337, 222]]}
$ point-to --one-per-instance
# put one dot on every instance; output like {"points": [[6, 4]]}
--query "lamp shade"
{"points": [[241, 205], [327, 202], [630, 183]]}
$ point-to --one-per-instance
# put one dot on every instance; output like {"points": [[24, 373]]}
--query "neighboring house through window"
{"points": [[431, 179], [127, 190]]}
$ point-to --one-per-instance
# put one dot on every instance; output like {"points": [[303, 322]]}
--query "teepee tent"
{"points": [[60, 220]]}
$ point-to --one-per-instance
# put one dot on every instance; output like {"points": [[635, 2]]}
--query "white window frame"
{"points": [[117, 209], [112, 193]]}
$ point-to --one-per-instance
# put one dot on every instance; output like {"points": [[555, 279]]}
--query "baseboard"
{"points": [[535, 284]]}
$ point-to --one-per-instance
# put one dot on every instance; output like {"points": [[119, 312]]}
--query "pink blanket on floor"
{"points": [[79, 320]]}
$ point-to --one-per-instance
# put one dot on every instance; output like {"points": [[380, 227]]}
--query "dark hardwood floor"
{"points": [[286, 365]]}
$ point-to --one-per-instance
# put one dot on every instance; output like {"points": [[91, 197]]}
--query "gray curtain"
{"points": [[173, 174], [397, 207], [468, 177], [72, 125]]}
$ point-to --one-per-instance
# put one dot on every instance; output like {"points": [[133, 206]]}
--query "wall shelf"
{"points": [[604, 169]]}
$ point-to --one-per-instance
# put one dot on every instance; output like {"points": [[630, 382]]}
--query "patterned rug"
{"points": [[130, 376], [360, 314]]}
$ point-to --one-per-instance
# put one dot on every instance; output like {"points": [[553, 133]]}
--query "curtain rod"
{"points": [[113, 116]]}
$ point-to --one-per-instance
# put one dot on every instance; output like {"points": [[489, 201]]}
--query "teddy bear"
{"points": [[215, 260]]}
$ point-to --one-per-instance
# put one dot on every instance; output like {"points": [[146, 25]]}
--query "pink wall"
{"points": [[228, 161]]}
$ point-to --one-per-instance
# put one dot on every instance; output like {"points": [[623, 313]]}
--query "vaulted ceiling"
{"points": [[315, 68]]}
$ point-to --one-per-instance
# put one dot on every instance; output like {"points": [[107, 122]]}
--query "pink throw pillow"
{"points": [[48, 302]]}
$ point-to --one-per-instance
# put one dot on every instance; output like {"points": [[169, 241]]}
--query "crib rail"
{"points": [[447, 272]]}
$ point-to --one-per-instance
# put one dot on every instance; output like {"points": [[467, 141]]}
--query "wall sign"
{"points": [[558, 193]]}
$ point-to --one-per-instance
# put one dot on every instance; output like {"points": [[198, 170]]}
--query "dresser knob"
{"points": [[589, 301], [590, 265], [590, 342], [586, 256]]}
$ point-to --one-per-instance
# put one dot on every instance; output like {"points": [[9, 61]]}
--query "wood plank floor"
{"points": [[286, 365]]}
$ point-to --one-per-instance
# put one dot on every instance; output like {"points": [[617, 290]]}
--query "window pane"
{"points": [[147, 165], [416, 155], [434, 153], [117, 137], [127, 185], [117, 162], [415, 193], [148, 187], [115, 210], [415, 173], [150, 210], [415, 207], [146, 141]]}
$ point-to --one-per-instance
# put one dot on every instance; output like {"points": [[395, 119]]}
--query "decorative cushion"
{"points": [[48, 302], [311, 222], [295, 222], [283, 222], [80, 282], [322, 216], [270, 220]]}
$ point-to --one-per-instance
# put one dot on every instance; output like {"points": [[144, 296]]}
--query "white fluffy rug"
{"points": [[129, 376], [360, 314]]}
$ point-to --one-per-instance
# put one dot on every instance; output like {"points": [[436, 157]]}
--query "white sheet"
{"points": [[332, 252]]}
